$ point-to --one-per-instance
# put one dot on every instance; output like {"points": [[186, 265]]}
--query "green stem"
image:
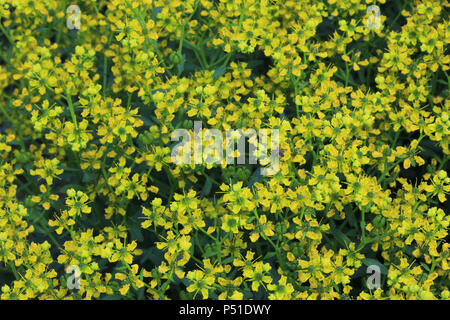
{"points": [[72, 110]]}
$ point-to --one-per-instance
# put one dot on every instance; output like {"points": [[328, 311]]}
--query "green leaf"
{"points": [[342, 238], [135, 232], [369, 262], [207, 187], [227, 260], [219, 71], [270, 255]]}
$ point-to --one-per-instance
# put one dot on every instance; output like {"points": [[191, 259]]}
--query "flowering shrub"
{"points": [[93, 206]]}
